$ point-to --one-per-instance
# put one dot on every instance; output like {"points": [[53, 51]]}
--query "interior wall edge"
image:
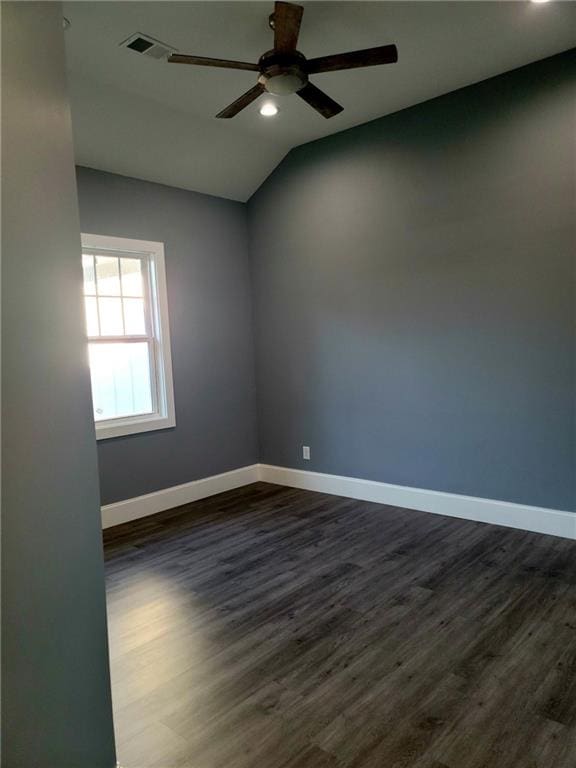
{"points": [[56, 695]]}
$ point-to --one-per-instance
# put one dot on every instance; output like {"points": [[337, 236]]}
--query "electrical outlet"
{"points": [[306, 452]]}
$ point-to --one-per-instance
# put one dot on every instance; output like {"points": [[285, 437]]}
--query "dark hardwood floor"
{"points": [[274, 628]]}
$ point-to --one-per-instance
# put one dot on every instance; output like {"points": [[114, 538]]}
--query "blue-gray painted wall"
{"points": [[208, 284], [414, 294], [56, 700], [412, 286]]}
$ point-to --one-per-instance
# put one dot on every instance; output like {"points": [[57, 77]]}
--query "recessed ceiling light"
{"points": [[269, 109], [540, 1]]}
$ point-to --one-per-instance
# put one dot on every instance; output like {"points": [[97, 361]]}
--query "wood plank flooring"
{"points": [[274, 628]]}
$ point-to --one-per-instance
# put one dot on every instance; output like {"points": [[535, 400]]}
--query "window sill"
{"points": [[133, 426]]}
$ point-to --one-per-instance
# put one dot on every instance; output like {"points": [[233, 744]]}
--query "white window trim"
{"points": [[165, 417]]}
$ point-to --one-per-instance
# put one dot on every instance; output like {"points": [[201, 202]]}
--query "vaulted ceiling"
{"points": [[145, 118]]}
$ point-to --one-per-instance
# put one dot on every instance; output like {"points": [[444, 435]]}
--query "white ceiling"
{"points": [[153, 120]]}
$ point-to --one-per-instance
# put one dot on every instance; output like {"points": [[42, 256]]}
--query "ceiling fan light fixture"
{"points": [[283, 80], [269, 109], [282, 85]]}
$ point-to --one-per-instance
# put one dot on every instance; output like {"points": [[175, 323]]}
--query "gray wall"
{"points": [[56, 690], [207, 271], [414, 294]]}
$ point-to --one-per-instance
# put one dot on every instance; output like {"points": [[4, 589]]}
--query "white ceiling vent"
{"points": [[147, 46]]}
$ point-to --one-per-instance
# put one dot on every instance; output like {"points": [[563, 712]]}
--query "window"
{"points": [[128, 341]]}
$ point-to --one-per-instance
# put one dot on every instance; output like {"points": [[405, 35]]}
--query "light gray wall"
{"points": [[56, 707], [208, 278], [414, 296]]}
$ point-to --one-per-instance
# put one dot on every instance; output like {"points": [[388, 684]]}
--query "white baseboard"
{"points": [[522, 516], [142, 506], [527, 518]]}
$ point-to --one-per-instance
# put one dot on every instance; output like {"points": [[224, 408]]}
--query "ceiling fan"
{"points": [[285, 70]]}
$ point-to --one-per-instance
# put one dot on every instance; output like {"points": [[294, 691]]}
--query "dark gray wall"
{"points": [[209, 302], [56, 705], [414, 294]]}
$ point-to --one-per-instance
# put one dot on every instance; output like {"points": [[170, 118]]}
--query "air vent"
{"points": [[147, 46]]}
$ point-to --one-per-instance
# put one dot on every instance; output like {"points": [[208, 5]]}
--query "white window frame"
{"points": [[164, 415]]}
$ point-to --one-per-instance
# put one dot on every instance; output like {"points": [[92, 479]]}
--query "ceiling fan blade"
{"points": [[287, 19], [320, 101], [182, 58], [369, 57], [247, 98]]}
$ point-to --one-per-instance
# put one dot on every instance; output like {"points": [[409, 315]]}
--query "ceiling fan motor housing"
{"points": [[282, 73]]}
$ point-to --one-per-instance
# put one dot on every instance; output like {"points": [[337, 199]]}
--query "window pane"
{"points": [[91, 316], [134, 322], [132, 284], [111, 317], [120, 374], [108, 275], [88, 267]]}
